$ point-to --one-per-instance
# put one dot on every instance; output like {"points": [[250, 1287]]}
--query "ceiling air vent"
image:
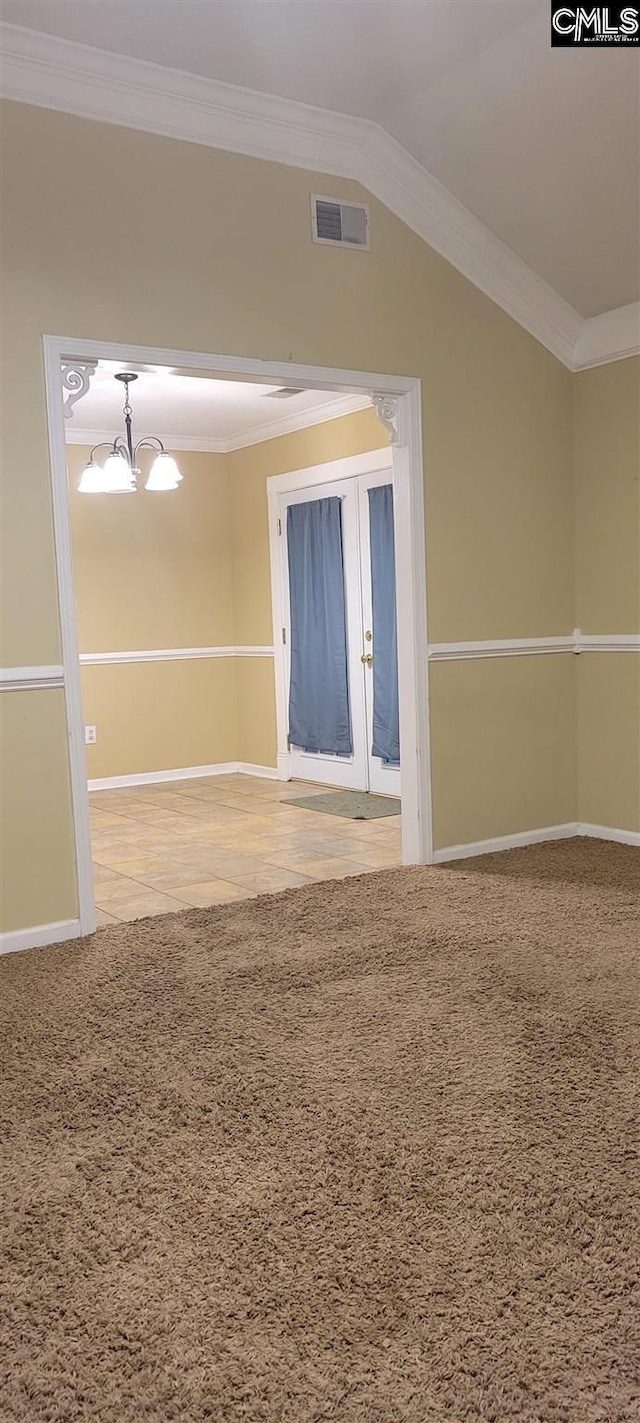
{"points": [[339, 224], [283, 392]]}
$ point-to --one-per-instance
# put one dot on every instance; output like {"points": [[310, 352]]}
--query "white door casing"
{"points": [[399, 408], [349, 478], [362, 770], [349, 772]]}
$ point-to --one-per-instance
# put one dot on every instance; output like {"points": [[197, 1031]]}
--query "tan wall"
{"points": [[154, 570], [607, 476], [160, 716], [257, 738], [609, 739], [503, 746], [497, 406], [38, 878]]}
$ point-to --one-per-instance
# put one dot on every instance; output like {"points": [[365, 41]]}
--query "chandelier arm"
{"points": [[121, 447], [151, 441], [104, 444]]}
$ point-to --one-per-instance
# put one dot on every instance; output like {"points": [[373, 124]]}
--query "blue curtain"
{"points": [[386, 722], [319, 717]]}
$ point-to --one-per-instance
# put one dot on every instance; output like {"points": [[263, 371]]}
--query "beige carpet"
{"points": [[365, 1151]]}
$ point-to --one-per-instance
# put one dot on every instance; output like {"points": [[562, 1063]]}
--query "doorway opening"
{"points": [[332, 538], [399, 468]]}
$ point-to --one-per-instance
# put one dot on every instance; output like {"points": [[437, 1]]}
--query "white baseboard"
{"points": [[39, 935], [151, 778], [535, 837], [607, 832], [268, 773], [183, 773], [506, 842]]}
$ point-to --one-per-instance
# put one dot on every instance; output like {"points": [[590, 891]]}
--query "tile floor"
{"points": [[160, 848]]}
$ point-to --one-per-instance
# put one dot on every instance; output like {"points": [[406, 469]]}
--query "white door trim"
{"points": [[405, 394], [405, 460], [350, 771], [69, 634], [413, 640], [277, 484], [335, 470], [383, 779]]}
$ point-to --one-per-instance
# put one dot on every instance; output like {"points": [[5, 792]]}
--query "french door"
{"points": [[337, 568], [378, 603]]}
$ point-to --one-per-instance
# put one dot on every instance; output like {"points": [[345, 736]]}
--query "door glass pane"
{"points": [[319, 717], [386, 721]]}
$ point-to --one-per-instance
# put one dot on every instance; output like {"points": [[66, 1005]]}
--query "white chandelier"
{"points": [[119, 473]]}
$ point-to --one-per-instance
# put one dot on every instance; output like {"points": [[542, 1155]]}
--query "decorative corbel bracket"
{"points": [[76, 379], [386, 408]]}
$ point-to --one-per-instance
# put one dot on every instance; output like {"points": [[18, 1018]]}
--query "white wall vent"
{"points": [[339, 224]]}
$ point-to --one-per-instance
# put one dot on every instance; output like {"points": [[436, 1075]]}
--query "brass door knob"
{"points": [[367, 658]]}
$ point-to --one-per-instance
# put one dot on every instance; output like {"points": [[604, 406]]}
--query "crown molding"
{"points": [[610, 337], [270, 430], [48, 72], [81, 435]]}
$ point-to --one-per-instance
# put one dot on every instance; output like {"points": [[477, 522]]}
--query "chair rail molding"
{"points": [[575, 642], [607, 642], [60, 74], [170, 654], [501, 647], [25, 679], [14, 679]]}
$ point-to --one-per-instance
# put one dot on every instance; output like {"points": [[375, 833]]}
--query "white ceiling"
{"points": [[196, 412], [542, 145]]}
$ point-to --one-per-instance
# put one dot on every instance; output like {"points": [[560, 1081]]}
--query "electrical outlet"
{"points": [[90, 737]]}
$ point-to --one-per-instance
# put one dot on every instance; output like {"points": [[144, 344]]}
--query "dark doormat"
{"points": [[351, 805]]}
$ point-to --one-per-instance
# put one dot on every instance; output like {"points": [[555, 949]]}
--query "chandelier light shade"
{"points": [[164, 473], [91, 479], [120, 471], [118, 477]]}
